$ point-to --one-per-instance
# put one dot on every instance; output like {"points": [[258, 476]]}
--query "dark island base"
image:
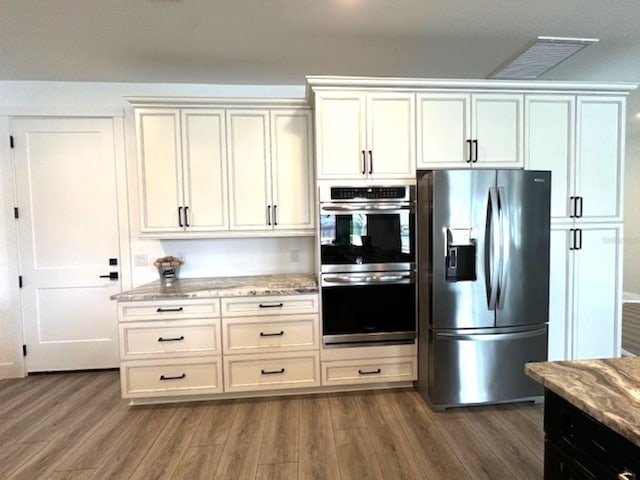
{"points": [[579, 447]]}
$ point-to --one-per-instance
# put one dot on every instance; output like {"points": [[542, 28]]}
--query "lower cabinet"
{"points": [[185, 348], [579, 447]]}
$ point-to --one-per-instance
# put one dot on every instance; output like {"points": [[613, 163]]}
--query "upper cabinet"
{"points": [[182, 170], [231, 171], [578, 138], [463, 130], [365, 135], [270, 187]]}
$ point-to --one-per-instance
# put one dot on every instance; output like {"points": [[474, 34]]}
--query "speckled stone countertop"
{"points": [[285, 284], [607, 389]]}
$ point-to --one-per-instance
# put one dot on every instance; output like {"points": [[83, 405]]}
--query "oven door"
{"points": [[367, 236], [368, 308]]}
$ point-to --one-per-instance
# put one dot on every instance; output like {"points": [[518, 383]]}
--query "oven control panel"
{"points": [[404, 193]]}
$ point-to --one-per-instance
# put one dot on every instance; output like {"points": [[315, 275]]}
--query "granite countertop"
{"points": [[254, 285], [607, 389]]}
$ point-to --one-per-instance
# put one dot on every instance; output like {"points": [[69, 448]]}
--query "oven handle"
{"points": [[361, 207], [349, 279]]}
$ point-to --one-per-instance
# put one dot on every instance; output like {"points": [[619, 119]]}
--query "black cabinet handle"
{"points": [[364, 163], [572, 207], [160, 309], [177, 339], [579, 201], [271, 305], [475, 148], [186, 217], [369, 372], [469, 157], [179, 377], [370, 162], [279, 334], [268, 214], [111, 276], [271, 372], [180, 216], [275, 215], [579, 244], [572, 242]]}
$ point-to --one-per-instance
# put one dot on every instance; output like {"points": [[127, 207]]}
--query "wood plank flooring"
{"points": [[631, 328], [74, 426]]}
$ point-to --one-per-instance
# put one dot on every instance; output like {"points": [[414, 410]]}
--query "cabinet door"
{"points": [[340, 135], [292, 178], [599, 157], [249, 169], [560, 291], [549, 134], [159, 169], [497, 123], [444, 128], [597, 294], [391, 135], [205, 170]]}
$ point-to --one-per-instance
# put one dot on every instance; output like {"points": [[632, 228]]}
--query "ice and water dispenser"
{"points": [[460, 255]]}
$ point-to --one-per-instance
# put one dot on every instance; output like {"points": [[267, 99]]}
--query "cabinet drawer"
{"points": [[271, 305], [275, 333], [370, 370], [169, 338], [270, 372], [158, 310], [180, 376]]}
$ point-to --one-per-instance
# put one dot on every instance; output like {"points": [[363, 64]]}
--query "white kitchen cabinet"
{"points": [[365, 135], [463, 130], [270, 177], [585, 292], [580, 140], [182, 170]]}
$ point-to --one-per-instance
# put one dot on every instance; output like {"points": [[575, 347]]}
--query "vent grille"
{"points": [[540, 56]]}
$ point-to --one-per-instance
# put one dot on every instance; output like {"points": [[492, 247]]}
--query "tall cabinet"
{"points": [[580, 138]]}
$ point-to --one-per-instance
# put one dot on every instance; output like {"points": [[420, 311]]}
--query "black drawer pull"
{"points": [[271, 305], [371, 372], [271, 372], [279, 334], [177, 339], [179, 377], [160, 310]]}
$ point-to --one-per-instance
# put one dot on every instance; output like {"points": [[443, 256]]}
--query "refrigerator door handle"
{"points": [[504, 246], [492, 240], [492, 336]]}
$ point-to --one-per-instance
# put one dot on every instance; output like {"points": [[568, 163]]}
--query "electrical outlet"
{"points": [[140, 260], [294, 256]]}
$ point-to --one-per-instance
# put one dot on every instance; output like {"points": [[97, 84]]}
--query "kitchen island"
{"points": [[592, 418]]}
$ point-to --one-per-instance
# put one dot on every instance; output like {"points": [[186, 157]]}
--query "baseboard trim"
{"points": [[628, 297]]}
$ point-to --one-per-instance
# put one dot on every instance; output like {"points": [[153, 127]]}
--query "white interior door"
{"points": [[68, 227]]}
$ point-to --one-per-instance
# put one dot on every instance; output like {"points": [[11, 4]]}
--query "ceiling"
{"points": [[281, 41]]}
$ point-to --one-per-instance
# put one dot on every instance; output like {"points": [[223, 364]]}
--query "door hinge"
{"points": [[16, 212], [11, 141], [24, 350], [20, 281]]}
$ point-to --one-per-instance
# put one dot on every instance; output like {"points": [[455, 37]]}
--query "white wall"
{"points": [[203, 257], [631, 279]]}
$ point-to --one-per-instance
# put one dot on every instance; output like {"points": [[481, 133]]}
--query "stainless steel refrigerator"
{"points": [[483, 284]]}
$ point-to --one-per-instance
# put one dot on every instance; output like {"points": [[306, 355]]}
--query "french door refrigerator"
{"points": [[483, 284]]}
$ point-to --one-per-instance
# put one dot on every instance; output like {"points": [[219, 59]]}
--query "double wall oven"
{"points": [[367, 256]]}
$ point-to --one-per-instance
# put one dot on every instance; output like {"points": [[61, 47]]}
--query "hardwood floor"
{"points": [[74, 426], [631, 328]]}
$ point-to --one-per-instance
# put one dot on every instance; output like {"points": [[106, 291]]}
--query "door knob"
{"points": [[111, 276]]}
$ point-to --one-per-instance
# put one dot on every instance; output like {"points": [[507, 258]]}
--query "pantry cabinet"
{"points": [[463, 130], [580, 139], [241, 169], [182, 167], [365, 135], [585, 291]]}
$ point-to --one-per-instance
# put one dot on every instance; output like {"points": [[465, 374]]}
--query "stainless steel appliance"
{"points": [[367, 256], [483, 286]]}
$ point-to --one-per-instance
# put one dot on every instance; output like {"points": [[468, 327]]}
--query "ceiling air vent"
{"points": [[540, 56]]}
